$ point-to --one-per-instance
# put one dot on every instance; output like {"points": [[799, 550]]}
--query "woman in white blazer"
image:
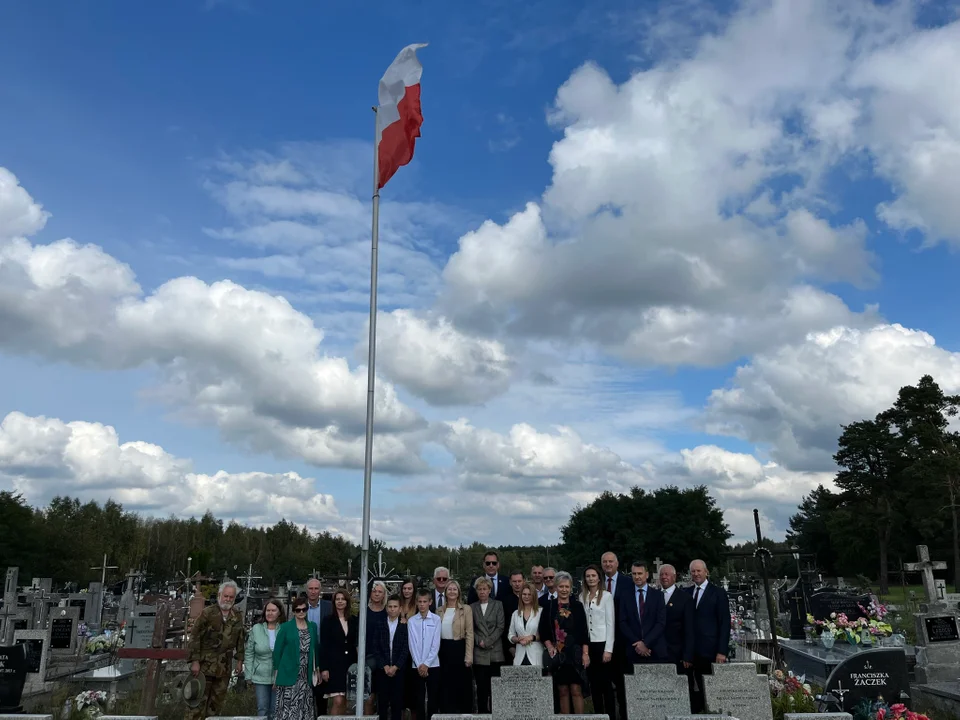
{"points": [[524, 629], [598, 605]]}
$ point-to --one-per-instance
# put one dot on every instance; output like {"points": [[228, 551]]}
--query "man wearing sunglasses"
{"points": [[441, 576], [491, 569], [549, 586]]}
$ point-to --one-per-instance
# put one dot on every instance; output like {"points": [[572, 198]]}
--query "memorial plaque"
{"points": [[61, 633], [13, 675], [869, 675], [33, 654], [141, 627], [521, 693], [736, 689], [656, 692], [941, 628]]}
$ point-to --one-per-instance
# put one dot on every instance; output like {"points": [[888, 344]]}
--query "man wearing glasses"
{"points": [[441, 576], [549, 586], [491, 569]]}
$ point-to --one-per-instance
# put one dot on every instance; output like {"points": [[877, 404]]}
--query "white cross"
{"points": [[926, 567]]}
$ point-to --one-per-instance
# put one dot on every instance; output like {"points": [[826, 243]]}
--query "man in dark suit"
{"points": [[617, 584], [643, 619], [679, 630], [317, 610], [510, 604], [711, 629], [491, 568], [441, 576], [391, 653]]}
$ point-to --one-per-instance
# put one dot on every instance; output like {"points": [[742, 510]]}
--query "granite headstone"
{"points": [[736, 689], [824, 603], [656, 691], [522, 692], [13, 674]]}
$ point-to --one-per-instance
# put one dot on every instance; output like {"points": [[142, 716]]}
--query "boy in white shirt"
{"points": [[423, 630]]}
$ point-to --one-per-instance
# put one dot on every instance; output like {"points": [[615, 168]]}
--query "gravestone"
{"points": [[13, 675], [736, 689], [36, 646], [9, 605], [656, 691], [870, 674], [140, 628], [818, 716], [126, 717], [825, 602], [92, 615], [521, 692], [25, 717], [925, 567], [63, 630], [937, 627]]}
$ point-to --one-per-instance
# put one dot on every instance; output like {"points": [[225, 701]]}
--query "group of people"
{"points": [[436, 649]]}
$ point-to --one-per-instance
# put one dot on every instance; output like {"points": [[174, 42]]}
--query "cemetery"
{"points": [[827, 650]]}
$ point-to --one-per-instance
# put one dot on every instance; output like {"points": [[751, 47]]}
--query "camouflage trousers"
{"points": [[212, 701]]}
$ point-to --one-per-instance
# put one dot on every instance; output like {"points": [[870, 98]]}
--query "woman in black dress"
{"points": [[563, 629], [338, 651]]}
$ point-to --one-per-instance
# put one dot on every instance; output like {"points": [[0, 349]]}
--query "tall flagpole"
{"points": [[368, 446]]}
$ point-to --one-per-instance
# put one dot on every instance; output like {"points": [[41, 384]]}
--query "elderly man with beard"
{"points": [[217, 644]]}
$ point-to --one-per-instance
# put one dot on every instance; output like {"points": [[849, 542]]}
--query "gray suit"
{"points": [[489, 628]]}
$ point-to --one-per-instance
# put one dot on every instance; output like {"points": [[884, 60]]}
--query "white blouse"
{"points": [[446, 625], [600, 620]]}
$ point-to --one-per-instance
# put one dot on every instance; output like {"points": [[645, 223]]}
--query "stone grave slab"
{"points": [[37, 643], [63, 630], [127, 717], [521, 692], [701, 717], [25, 717], [938, 643], [92, 610], [142, 622], [818, 716], [736, 689], [823, 603], [656, 692], [870, 674]]}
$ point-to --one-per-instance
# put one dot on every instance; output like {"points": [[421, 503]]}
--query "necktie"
{"points": [[696, 596], [440, 601], [609, 584], [641, 603]]}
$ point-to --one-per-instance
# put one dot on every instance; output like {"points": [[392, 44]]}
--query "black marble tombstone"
{"points": [[824, 602], [870, 674], [13, 675]]}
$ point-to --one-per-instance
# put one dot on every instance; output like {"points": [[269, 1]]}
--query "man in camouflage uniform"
{"points": [[217, 640]]}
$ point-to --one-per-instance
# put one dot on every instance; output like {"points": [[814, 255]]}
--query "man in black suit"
{"points": [[679, 630], [617, 584], [391, 653], [510, 604], [491, 568], [643, 619], [317, 610], [711, 629], [441, 576]]}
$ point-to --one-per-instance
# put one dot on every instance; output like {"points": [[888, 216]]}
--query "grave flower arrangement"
{"points": [[879, 710], [844, 628], [91, 703], [104, 643], [790, 694]]}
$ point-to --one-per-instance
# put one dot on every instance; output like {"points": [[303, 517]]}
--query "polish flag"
{"points": [[399, 117]]}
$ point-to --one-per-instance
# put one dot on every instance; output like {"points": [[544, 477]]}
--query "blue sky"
{"points": [[738, 236]]}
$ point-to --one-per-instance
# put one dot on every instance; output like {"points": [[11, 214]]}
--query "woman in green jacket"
{"points": [[295, 660], [258, 660]]}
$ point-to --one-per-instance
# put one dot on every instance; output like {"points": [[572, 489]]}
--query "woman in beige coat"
{"points": [[488, 627], [456, 653]]}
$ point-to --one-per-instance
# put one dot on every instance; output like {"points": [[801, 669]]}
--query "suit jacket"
{"points": [[518, 628], [433, 600], [488, 627], [650, 629], [503, 589], [624, 586], [338, 647], [680, 627], [325, 608], [400, 656], [711, 622]]}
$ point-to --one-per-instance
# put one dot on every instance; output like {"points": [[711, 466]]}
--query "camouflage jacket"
{"points": [[217, 644]]}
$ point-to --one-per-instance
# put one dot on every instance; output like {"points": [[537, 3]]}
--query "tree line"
{"points": [[897, 486], [68, 538]]}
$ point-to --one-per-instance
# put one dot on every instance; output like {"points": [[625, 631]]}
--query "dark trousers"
{"points": [[390, 694], [456, 680], [601, 682], [701, 667], [482, 675], [318, 700], [428, 693]]}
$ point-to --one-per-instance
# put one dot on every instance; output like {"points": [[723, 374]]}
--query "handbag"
{"points": [[316, 679], [552, 662]]}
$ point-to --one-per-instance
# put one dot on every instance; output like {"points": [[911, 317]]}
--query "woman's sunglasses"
{"points": [[300, 610]]}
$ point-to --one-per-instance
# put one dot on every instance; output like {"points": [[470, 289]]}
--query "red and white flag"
{"points": [[399, 117]]}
